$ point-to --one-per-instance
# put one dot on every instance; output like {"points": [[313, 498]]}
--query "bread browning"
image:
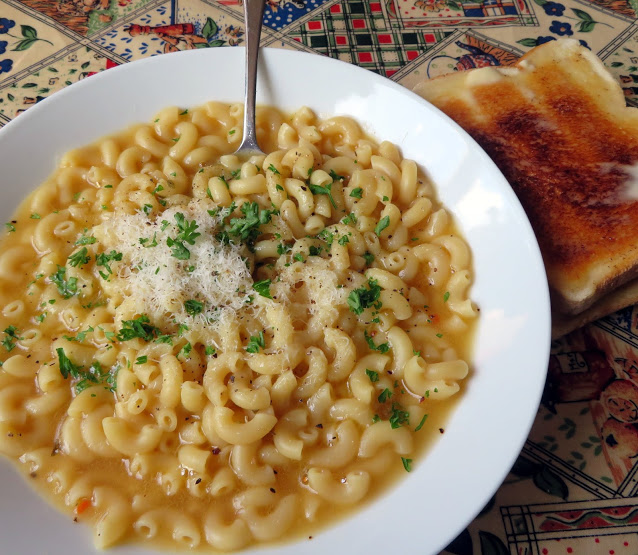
{"points": [[557, 126]]}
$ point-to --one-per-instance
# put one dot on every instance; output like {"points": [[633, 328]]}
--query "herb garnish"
{"points": [[383, 223], [66, 288], [193, 307], [80, 257], [103, 259], [263, 288], [360, 299], [186, 234], [139, 327], [11, 336], [382, 347], [256, 342], [324, 190]]}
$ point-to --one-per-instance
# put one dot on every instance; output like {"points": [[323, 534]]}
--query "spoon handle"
{"points": [[253, 18]]}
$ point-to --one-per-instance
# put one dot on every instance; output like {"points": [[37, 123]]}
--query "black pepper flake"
{"points": [[441, 430], [273, 490], [216, 450], [319, 426], [198, 481]]}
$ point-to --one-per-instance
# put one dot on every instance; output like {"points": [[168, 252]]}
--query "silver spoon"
{"points": [[253, 19]]}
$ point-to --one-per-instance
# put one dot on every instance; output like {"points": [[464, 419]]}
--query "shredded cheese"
{"points": [[159, 284]]}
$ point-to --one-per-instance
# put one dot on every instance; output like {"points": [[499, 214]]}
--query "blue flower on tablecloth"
{"points": [[6, 66], [543, 40], [561, 29], [3, 46], [5, 25], [584, 43], [554, 8]]}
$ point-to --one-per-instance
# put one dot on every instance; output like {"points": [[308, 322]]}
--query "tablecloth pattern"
{"points": [[573, 488]]}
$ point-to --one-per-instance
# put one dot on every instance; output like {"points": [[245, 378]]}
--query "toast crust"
{"points": [[557, 126]]}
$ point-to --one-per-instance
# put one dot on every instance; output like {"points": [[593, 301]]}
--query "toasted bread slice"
{"points": [[557, 126]]}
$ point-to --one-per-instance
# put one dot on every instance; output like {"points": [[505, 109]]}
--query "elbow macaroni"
{"points": [[260, 414]]}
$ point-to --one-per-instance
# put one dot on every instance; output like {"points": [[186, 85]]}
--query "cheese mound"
{"points": [[154, 282]]}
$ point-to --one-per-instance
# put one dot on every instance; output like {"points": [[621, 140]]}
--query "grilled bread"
{"points": [[557, 126]]}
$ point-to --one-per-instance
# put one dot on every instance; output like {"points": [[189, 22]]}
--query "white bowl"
{"points": [[486, 431]]}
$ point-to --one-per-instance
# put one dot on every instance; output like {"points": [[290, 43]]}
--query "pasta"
{"points": [[265, 342]]}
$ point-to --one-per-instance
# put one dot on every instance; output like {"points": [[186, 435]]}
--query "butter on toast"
{"points": [[557, 126]]}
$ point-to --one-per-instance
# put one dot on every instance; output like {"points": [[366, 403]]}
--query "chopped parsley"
{"points": [[186, 349], [425, 417], [187, 234], [35, 216], [298, 257], [10, 227], [263, 288], [362, 298], [10, 338], [398, 416], [273, 169], [247, 228], [356, 192], [66, 288], [335, 176], [209, 351], [374, 376], [104, 259], [147, 208], [81, 336], [349, 219], [283, 248], [407, 464], [382, 347], [141, 360], [95, 375], [139, 327], [368, 257], [324, 190], [383, 223], [256, 342], [194, 307], [148, 243], [343, 240], [327, 236], [79, 258], [446, 296], [314, 251], [384, 395]]}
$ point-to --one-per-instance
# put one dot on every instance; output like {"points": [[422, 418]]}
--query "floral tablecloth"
{"points": [[573, 487]]}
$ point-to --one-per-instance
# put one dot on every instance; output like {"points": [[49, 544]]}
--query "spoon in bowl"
{"points": [[253, 19]]}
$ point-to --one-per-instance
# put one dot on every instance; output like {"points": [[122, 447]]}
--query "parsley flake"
{"points": [[383, 223], [256, 342], [374, 376]]}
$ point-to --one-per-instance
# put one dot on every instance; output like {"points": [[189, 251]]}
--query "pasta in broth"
{"points": [[217, 353]]}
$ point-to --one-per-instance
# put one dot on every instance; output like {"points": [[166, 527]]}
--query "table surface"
{"points": [[572, 489]]}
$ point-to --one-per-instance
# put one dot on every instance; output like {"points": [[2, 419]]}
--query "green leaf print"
{"points": [[491, 544]]}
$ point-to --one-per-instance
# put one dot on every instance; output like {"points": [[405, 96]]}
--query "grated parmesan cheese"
{"points": [[158, 284]]}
